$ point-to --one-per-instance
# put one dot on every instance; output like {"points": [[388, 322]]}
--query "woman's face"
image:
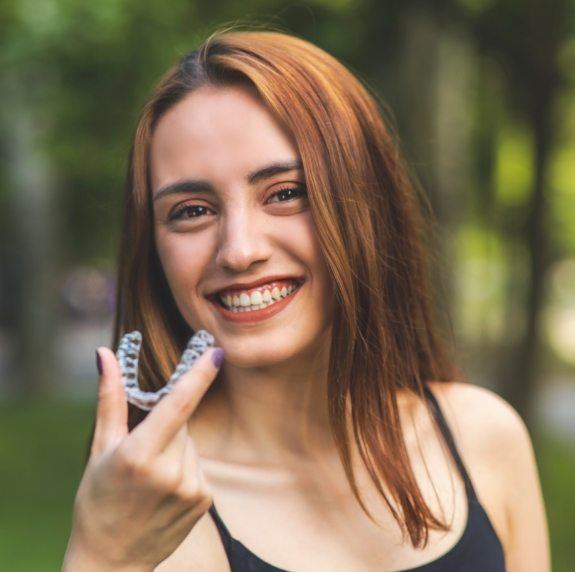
{"points": [[234, 230]]}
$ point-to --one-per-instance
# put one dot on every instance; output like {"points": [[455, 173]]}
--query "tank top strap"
{"points": [[448, 436], [222, 529]]}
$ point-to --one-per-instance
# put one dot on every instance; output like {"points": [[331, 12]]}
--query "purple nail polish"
{"points": [[218, 357], [98, 362]]}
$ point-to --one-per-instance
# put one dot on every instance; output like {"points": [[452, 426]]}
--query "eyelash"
{"points": [[177, 214]]}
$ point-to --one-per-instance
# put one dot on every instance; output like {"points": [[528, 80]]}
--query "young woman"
{"points": [[267, 204]]}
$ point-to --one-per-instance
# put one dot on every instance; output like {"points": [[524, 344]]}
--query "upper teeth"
{"points": [[258, 298]]}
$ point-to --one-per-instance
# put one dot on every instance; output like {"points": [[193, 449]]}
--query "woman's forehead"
{"points": [[217, 133]]}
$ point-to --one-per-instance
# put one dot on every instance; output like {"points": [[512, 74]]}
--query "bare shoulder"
{"points": [[492, 435], [483, 417]]}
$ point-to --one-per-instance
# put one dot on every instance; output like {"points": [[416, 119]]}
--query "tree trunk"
{"points": [[435, 74], [28, 246], [521, 385]]}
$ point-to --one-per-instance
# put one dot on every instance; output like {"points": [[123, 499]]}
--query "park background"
{"points": [[482, 95]]}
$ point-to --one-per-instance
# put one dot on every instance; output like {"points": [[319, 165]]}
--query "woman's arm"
{"points": [[494, 439], [528, 546]]}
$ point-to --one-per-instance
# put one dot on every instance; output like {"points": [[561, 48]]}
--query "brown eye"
{"points": [[288, 194], [189, 211]]}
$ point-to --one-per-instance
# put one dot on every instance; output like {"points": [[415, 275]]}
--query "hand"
{"points": [[141, 492]]}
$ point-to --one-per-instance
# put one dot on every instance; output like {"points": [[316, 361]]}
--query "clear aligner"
{"points": [[128, 354]]}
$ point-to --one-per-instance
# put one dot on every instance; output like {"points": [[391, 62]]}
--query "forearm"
{"points": [[77, 559]]}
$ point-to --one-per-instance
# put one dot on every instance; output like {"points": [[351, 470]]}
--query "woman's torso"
{"points": [[303, 517]]}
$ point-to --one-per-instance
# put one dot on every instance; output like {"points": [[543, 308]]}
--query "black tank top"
{"points": [[478, 549]]}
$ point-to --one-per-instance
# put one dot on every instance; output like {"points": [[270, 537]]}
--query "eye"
{"points": [[187, 211], [288, 194]]}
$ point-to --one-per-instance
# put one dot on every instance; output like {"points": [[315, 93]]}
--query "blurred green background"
{"points": [[482, 96]]}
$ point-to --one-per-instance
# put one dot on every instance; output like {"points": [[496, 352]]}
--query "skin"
{"points": [[143, 491], [275, 371], [258, 442]]}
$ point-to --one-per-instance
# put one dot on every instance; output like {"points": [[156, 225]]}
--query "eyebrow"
{"points": [[197, 186]]}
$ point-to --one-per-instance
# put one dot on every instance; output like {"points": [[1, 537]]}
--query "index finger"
{"points": [[111, 424], [169, 415]]}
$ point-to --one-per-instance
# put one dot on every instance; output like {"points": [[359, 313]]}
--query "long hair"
{"points": [[370, 227]]}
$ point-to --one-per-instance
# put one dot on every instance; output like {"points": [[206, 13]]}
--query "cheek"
{"points": [[306, 243], [182, 259]]}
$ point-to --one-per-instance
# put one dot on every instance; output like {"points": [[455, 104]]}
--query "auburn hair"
{"points": [[370, 226]]}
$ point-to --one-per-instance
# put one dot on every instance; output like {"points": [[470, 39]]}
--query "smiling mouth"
{"points": [[256, 298]]}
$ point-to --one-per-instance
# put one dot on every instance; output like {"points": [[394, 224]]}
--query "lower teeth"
{"points": [[250, 308]]}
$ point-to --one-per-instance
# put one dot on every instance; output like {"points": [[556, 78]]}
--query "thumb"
{"points": [[112, 408]]}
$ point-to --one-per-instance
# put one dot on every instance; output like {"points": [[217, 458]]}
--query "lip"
{"points": [[255, 283], [253, 315]]}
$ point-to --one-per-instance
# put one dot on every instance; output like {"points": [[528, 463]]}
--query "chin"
{"points": [[256, 356], [275, 350]]}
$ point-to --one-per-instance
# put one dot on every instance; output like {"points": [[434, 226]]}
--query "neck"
{"points": [[268, 414]]}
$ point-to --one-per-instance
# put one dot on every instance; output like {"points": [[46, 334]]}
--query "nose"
{"points": [[242, 241]]}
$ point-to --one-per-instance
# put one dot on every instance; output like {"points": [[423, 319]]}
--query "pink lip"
{"points": [[253, 315]]}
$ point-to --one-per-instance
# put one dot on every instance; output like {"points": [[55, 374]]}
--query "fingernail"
{"points": [[218, 357], [98, 362]]}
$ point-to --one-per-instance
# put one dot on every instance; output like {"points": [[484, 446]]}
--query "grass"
{"points": [[556, 462], [41, 461], [42, 448]]}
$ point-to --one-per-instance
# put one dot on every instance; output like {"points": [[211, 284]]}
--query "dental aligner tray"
{"points": [[128, 355]]}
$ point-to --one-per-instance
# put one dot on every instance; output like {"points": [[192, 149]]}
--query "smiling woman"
{"points": [[268, 205], [232, 219]]}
